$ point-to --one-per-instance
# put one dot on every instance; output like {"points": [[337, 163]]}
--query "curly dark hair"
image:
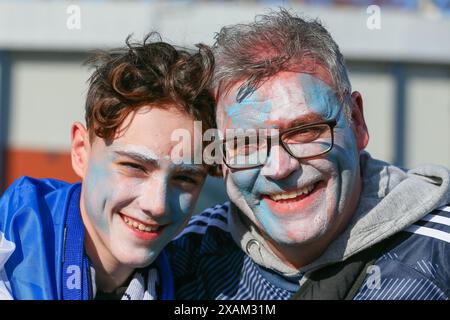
{"points": [[153, 72]]}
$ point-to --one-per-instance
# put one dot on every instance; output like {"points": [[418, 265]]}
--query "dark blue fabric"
{"points": [[165, 273], [207, 264]]}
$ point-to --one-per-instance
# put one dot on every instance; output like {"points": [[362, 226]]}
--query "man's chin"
{"points": [[293, 240]]}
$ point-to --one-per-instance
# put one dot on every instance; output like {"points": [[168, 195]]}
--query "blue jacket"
{"points": [[33, 218], [208, 264]]}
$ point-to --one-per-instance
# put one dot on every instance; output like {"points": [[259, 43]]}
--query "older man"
{"points": [[312, 215]]}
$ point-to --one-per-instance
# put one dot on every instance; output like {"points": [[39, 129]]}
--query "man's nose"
{"points": [[280, 164], [153, 197]]}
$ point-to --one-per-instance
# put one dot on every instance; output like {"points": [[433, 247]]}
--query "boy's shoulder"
{"points": [[30, 195], [205, 239], [32, 221], [24, 188]]}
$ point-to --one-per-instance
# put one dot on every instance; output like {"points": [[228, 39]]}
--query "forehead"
{"points": [[155, 129], [284, 98]]}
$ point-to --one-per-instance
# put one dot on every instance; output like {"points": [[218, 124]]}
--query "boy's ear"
{"points": [[359, 123], [80, 149]]}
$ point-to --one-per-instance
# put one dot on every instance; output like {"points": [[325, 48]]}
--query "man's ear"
{"points": [[359, 124], [80, 149]]}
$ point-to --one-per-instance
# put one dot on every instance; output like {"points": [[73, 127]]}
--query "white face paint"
{"points": [[134, 198], [329, 183], [143, 152]]}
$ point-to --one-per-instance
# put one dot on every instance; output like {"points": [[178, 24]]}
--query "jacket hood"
{"points": [[391, 200]]}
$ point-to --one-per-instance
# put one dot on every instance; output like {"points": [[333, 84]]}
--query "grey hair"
{"points": [[278, 41]]}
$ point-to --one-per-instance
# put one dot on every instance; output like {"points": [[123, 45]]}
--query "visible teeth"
{"points": [[140, 226], [293, 194]]}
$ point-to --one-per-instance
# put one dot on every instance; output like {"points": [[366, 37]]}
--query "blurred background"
{"points": [[397, 51]]}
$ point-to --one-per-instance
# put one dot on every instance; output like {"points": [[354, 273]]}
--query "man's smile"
{"points": [[296, 201], [292, 195]]}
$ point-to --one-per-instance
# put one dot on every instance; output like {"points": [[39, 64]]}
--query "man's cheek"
{"points": [[265, 217], [343, 156], [245, 179]]}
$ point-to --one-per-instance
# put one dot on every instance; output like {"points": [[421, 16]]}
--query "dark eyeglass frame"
{"points": [[282, 133]]}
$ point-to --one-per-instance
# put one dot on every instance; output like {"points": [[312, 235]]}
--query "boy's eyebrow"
{"points": [[137, 156], [155, 162]]}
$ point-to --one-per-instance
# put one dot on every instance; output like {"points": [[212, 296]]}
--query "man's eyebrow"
{"points": [[302, 120], [138, 157]]}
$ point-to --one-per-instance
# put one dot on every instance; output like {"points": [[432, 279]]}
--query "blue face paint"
{"points": [[319, 97], [98, 187], [317, 191], [249, 108]]}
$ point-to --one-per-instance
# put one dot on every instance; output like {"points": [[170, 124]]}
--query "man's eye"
{"points": [[305, 135]]}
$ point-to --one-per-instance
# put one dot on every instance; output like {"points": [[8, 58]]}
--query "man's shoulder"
{"points": [[416, 265], [212, 217], [207, 231], [204, 257], [428, 239], [433, 226]]}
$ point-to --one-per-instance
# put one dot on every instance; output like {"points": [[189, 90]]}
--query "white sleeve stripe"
{"points": [[437, 219], [209, 211], [193, 229], [205, 219], [217, 223], [437, 234], [202, 229], [222, 213], [444, 208], [221, 210]]}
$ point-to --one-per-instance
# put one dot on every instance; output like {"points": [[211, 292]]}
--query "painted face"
{"points": [[317, 192], [135, 198]]}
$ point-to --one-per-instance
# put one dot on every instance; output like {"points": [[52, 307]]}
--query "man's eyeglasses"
{"points": [[251, 150]]}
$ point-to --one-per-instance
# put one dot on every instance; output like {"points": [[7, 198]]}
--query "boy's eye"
{"points": [[133, 166]]}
